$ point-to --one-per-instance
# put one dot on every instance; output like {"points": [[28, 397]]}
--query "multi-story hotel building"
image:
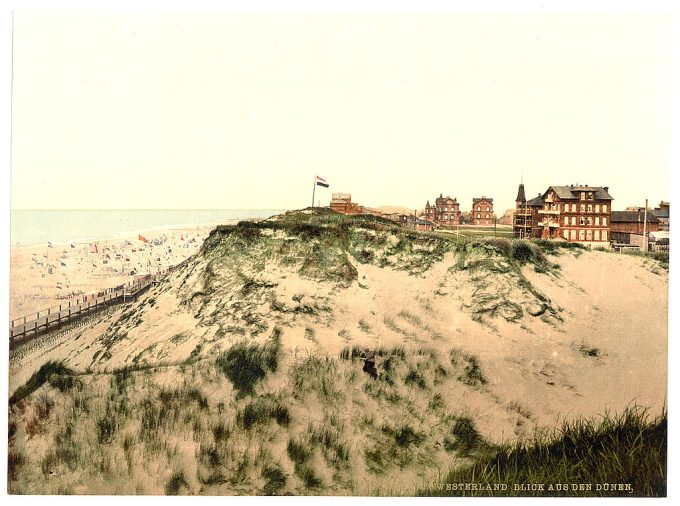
{"points": [[444, 213], [577, 214], [482, 211], [525, 219]]}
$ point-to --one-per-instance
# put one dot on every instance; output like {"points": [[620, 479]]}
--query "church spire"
{"points": [[520, 194]]}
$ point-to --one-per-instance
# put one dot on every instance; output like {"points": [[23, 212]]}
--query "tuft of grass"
{"points": [[470, 371], [587, 351], [106, 429], [261, 411], [246, 364], [175, 483], [275, 479], [298, 451], [315, 374], [463, 436], [413, 377], [48, 372], [628, 449], [404, 436]]}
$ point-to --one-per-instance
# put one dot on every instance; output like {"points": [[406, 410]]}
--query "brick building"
{"points": [[482, 211], [577, 214], [525, 220], [632, 222], [663, 214], [444, 213], [342, 203]]}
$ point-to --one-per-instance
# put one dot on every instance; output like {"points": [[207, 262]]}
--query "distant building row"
{"points": [[446, 211]]}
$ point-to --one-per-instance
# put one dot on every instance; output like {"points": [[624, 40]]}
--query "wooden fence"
{"points": [[30, 326]]}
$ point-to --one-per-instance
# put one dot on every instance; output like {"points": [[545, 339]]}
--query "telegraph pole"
{"points": [[644, 230]]}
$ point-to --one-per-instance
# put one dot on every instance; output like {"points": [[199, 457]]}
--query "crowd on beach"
{"points": [[44, 275]]}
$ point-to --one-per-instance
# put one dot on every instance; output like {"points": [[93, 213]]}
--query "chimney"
{"points": [[605, 188]]}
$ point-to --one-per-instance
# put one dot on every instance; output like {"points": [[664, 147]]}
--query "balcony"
{"points": [[548, 211]]}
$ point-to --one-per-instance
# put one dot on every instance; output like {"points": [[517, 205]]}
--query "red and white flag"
{"points": [[321, 182]]}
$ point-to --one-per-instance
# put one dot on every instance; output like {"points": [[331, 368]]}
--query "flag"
{"points": [[49, 244], [321, 182], [143, 239]]}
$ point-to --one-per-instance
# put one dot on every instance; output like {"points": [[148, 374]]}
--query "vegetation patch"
{"points": [[261, 411], [246, 364], [468, 368], [56, 373], [626, 449]]}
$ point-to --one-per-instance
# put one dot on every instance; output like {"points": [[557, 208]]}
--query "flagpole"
{"points": [[313, 192]]}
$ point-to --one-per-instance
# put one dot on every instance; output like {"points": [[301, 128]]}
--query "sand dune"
{"points": [[463, 331]]}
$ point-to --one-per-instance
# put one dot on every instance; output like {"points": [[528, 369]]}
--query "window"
{"points": [[573, 235], [566, 234], [604, 221], [487, 209], [590, 208], [589, 235], [604, 235], [581, 235], [583, 208], [597, 220], [573, 208], [597, 208], [590, 220], [446, 209], [479, 208], [596, 235], [590, 196], [573, 220], [566, 208], [487, 217], [566, 220], [583, 195], [479, 216], [582, 221]]}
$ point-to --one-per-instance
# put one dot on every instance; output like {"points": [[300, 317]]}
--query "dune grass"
{"points": [[55, 373], [629, 449], [246, 364]]}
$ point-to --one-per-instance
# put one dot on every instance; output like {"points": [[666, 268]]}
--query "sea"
{"points": [[33, 227]]}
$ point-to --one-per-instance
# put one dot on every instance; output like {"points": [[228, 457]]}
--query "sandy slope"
{"points": [[605, 348]]}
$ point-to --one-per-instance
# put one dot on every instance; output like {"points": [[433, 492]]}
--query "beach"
{"points": [[50, 274]]}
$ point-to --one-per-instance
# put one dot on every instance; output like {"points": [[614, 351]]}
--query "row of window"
{"points": [[583, 220], [479, 215], [586, 208], [586, 235], [487, 208]]}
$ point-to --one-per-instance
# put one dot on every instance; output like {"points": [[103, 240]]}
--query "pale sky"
{"points": [[241, 110]]}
